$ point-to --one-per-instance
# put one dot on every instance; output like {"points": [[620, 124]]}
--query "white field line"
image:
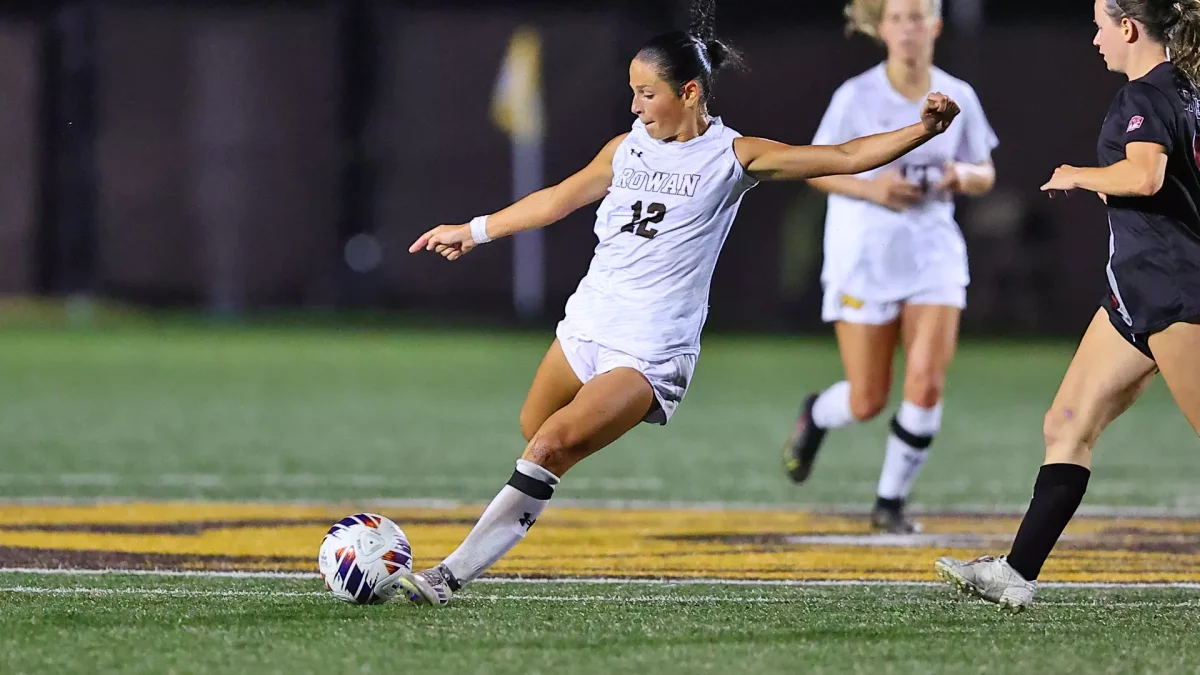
{"points": [[203, 574], [855, 508], [593, 581], [620, 599], [167, 592]]}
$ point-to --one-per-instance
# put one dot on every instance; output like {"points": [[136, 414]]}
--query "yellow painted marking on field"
{"points": [[599, 542]]}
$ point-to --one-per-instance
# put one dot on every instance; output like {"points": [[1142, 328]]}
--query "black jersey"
{"points": [[1154, 242]]}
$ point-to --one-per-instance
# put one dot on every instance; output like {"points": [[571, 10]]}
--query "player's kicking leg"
{"points": [[554, 386], [1105, 377], [866, 350], [602, 411], [930, 334]]}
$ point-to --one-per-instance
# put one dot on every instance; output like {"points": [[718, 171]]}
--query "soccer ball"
{"points": [[361, 558]]}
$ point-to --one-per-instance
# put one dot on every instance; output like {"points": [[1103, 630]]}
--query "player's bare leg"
{"points": [[605, 409], [866, 351], [554, 387], [1175, 351], [1105, 377], [929, 334]]}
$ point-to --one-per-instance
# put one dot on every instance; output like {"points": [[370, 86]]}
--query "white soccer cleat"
{"points": [[989, 578], [431, 587]]}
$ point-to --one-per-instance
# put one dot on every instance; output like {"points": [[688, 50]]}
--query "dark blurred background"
{"points": [[239, 157]]}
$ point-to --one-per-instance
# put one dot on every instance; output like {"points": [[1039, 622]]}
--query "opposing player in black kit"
{"points": [[1150, 321]]}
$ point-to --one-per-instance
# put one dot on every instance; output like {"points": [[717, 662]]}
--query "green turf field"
{"points": [[278, 416], [103, 624]]}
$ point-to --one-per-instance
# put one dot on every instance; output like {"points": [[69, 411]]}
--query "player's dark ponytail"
{"points": [[681, 57], [704, 19], [1175, 24]]}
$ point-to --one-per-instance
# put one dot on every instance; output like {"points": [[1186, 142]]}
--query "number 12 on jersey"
{"points": [[639, 225]]}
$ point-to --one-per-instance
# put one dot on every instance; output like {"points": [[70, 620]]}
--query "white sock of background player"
{"points": [[913, 429], [832, 409]]}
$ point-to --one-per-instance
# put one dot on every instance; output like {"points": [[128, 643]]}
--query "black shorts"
{"points": [[1156, 320], [1139, 340]]}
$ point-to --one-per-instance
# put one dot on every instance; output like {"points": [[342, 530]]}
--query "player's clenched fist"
{"points": [[937, 113]]}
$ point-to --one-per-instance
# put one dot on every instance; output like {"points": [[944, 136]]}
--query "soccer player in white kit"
{"points": [[895, 268], [627, 347]]}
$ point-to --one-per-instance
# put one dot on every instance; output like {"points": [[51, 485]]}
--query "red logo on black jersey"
{"points": [[1135, 123], [1116, 302]]}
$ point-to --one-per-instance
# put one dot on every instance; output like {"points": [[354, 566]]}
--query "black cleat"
{"points": [[801, 449], [888, 517]]}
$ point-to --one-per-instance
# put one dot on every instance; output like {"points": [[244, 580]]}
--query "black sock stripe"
{"points": [[531, 486], [912, 440], [451, 580], [889, 504]]}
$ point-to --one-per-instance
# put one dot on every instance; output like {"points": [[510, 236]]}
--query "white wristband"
{"points": [[479, 230]]}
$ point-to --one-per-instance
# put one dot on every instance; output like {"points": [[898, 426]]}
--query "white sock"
{"points": [[913, 429], [504, 523], [832, 409]]}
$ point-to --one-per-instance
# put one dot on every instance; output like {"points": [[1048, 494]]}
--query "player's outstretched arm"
{"points": [[1140, 174], [539, 209], [770, 160]]}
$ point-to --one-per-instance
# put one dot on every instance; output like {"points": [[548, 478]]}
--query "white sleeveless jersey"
{"points": [[660, 230], [872, 253]]}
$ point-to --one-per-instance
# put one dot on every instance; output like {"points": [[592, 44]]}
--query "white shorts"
{"points": [[838, 306], [669, 379]]}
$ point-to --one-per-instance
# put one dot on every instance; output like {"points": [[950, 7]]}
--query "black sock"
{"points": [[1056, 495]]}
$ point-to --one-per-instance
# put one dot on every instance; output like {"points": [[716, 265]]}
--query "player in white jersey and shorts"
{"points": [[895, 268], [627, 347]]}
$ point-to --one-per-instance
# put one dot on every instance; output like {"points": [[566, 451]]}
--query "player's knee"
{"points": [[924, 387], [866, 404], [554, 447], [1066, 435]]}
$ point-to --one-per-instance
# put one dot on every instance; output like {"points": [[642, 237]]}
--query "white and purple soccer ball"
{"points": [[362, 557]]}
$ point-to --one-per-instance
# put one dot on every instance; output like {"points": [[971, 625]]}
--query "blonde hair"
{"points": [[864, 16]]}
